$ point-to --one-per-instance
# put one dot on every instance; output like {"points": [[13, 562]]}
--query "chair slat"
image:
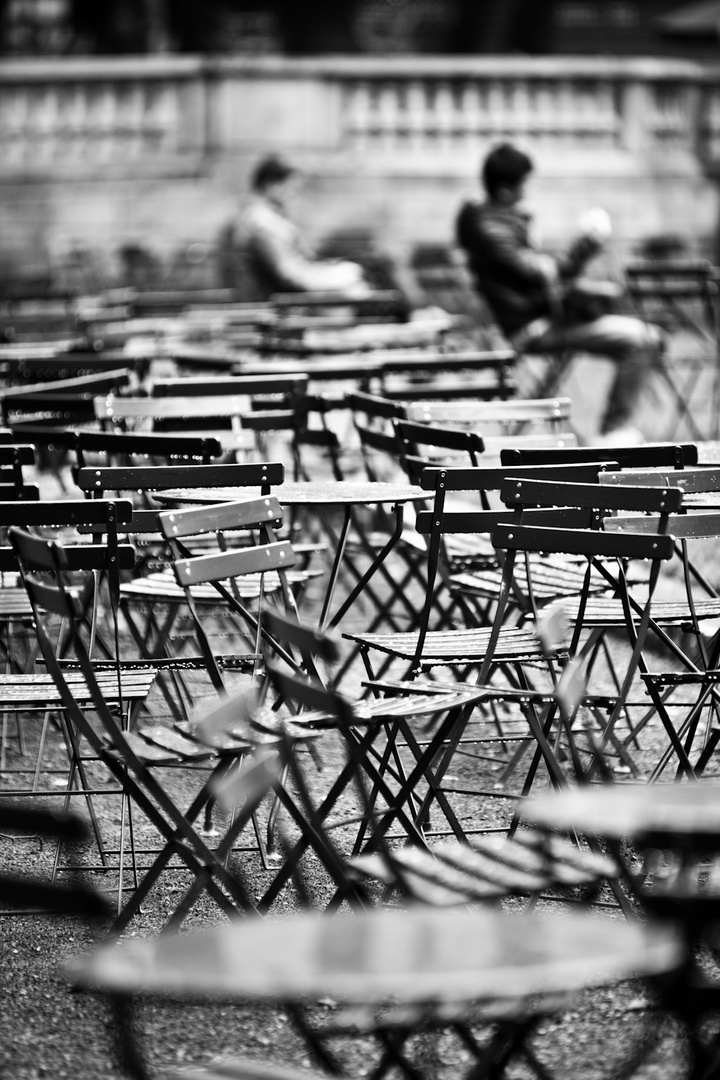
{"points": [[520, 492], [229, 564], [243, 514], [584, 542], [154, 478]]}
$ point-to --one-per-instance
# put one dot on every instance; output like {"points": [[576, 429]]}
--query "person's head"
{"points": [[504, 173], [273, 177]]}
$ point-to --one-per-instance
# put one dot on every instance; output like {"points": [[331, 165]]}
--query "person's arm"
{"points": [[290, 269], [495, 243]]}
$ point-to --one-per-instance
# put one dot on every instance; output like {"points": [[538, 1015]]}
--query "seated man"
{"points": [[278, 259], [525, 288]]}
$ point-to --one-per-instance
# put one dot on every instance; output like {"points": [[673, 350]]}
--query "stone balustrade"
{"points": [[119, 110]]}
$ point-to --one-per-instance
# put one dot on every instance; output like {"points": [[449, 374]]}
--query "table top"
{"points": [[647, 813], [325, 493], [418, 955]]}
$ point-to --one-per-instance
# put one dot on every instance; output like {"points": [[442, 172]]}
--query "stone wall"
{"points": [[154, 153]]}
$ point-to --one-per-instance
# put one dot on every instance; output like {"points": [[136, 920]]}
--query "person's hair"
{"points": [[504, 166], [273, 169]]}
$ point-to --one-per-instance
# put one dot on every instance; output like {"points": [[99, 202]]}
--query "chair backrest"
{"points": [[434, 524], [499, 417], [96, 481], [422, 445], [691, 481], [121, 448], [65, 400], [259, 516], [487, 376], [13, 458], [374, 407], [251, 385], [25, 371], [671, 455], [387, 302], [144, 410]]}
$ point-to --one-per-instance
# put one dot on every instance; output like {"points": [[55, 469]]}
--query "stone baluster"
{"points": [[566, 123], [445, 113], [74, 120], [416, 114], [14, 119], [496, 112], [358, 111], [608, 118], [470, 119], [521, 118], [544, 113], [709, 123], [387, 115], [103, 121], [44, 124]]}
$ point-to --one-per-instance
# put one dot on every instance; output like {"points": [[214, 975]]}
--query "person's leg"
{"points": [[633, 344]]}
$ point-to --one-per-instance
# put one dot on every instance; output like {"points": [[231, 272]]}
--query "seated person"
{"points": [[525, 288], [278, 259]]}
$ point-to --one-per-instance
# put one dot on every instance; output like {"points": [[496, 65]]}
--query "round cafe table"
{"points": [[319, 498], [678, 827], [451, 963]]}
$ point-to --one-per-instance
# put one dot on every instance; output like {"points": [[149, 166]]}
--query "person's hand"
{"points": [[588, 245], [350, 277]]}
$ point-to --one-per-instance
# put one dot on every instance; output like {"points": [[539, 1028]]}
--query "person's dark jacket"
{"points": [[516, 280]]}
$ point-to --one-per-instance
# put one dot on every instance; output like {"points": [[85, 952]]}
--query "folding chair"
{"points": [[688, 608], [596, 545], [134, 761], [153, 604], [96, 568], [486, 647], [371, 780], [681, 294]]}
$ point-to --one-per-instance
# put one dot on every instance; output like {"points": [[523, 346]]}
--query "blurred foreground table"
{"points": [[443, 968]]}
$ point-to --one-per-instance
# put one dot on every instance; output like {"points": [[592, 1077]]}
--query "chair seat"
{"points": [[161, 587], [601, 611], [157, 744], [14, 603], [550, 578], [38, 690], [486, 868], [455, 646]]}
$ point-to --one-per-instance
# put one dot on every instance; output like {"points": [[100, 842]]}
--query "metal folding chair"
{"points": [[135, 761]]}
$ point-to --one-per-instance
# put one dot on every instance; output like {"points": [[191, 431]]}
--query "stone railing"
{"points": [[145, 113]]}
